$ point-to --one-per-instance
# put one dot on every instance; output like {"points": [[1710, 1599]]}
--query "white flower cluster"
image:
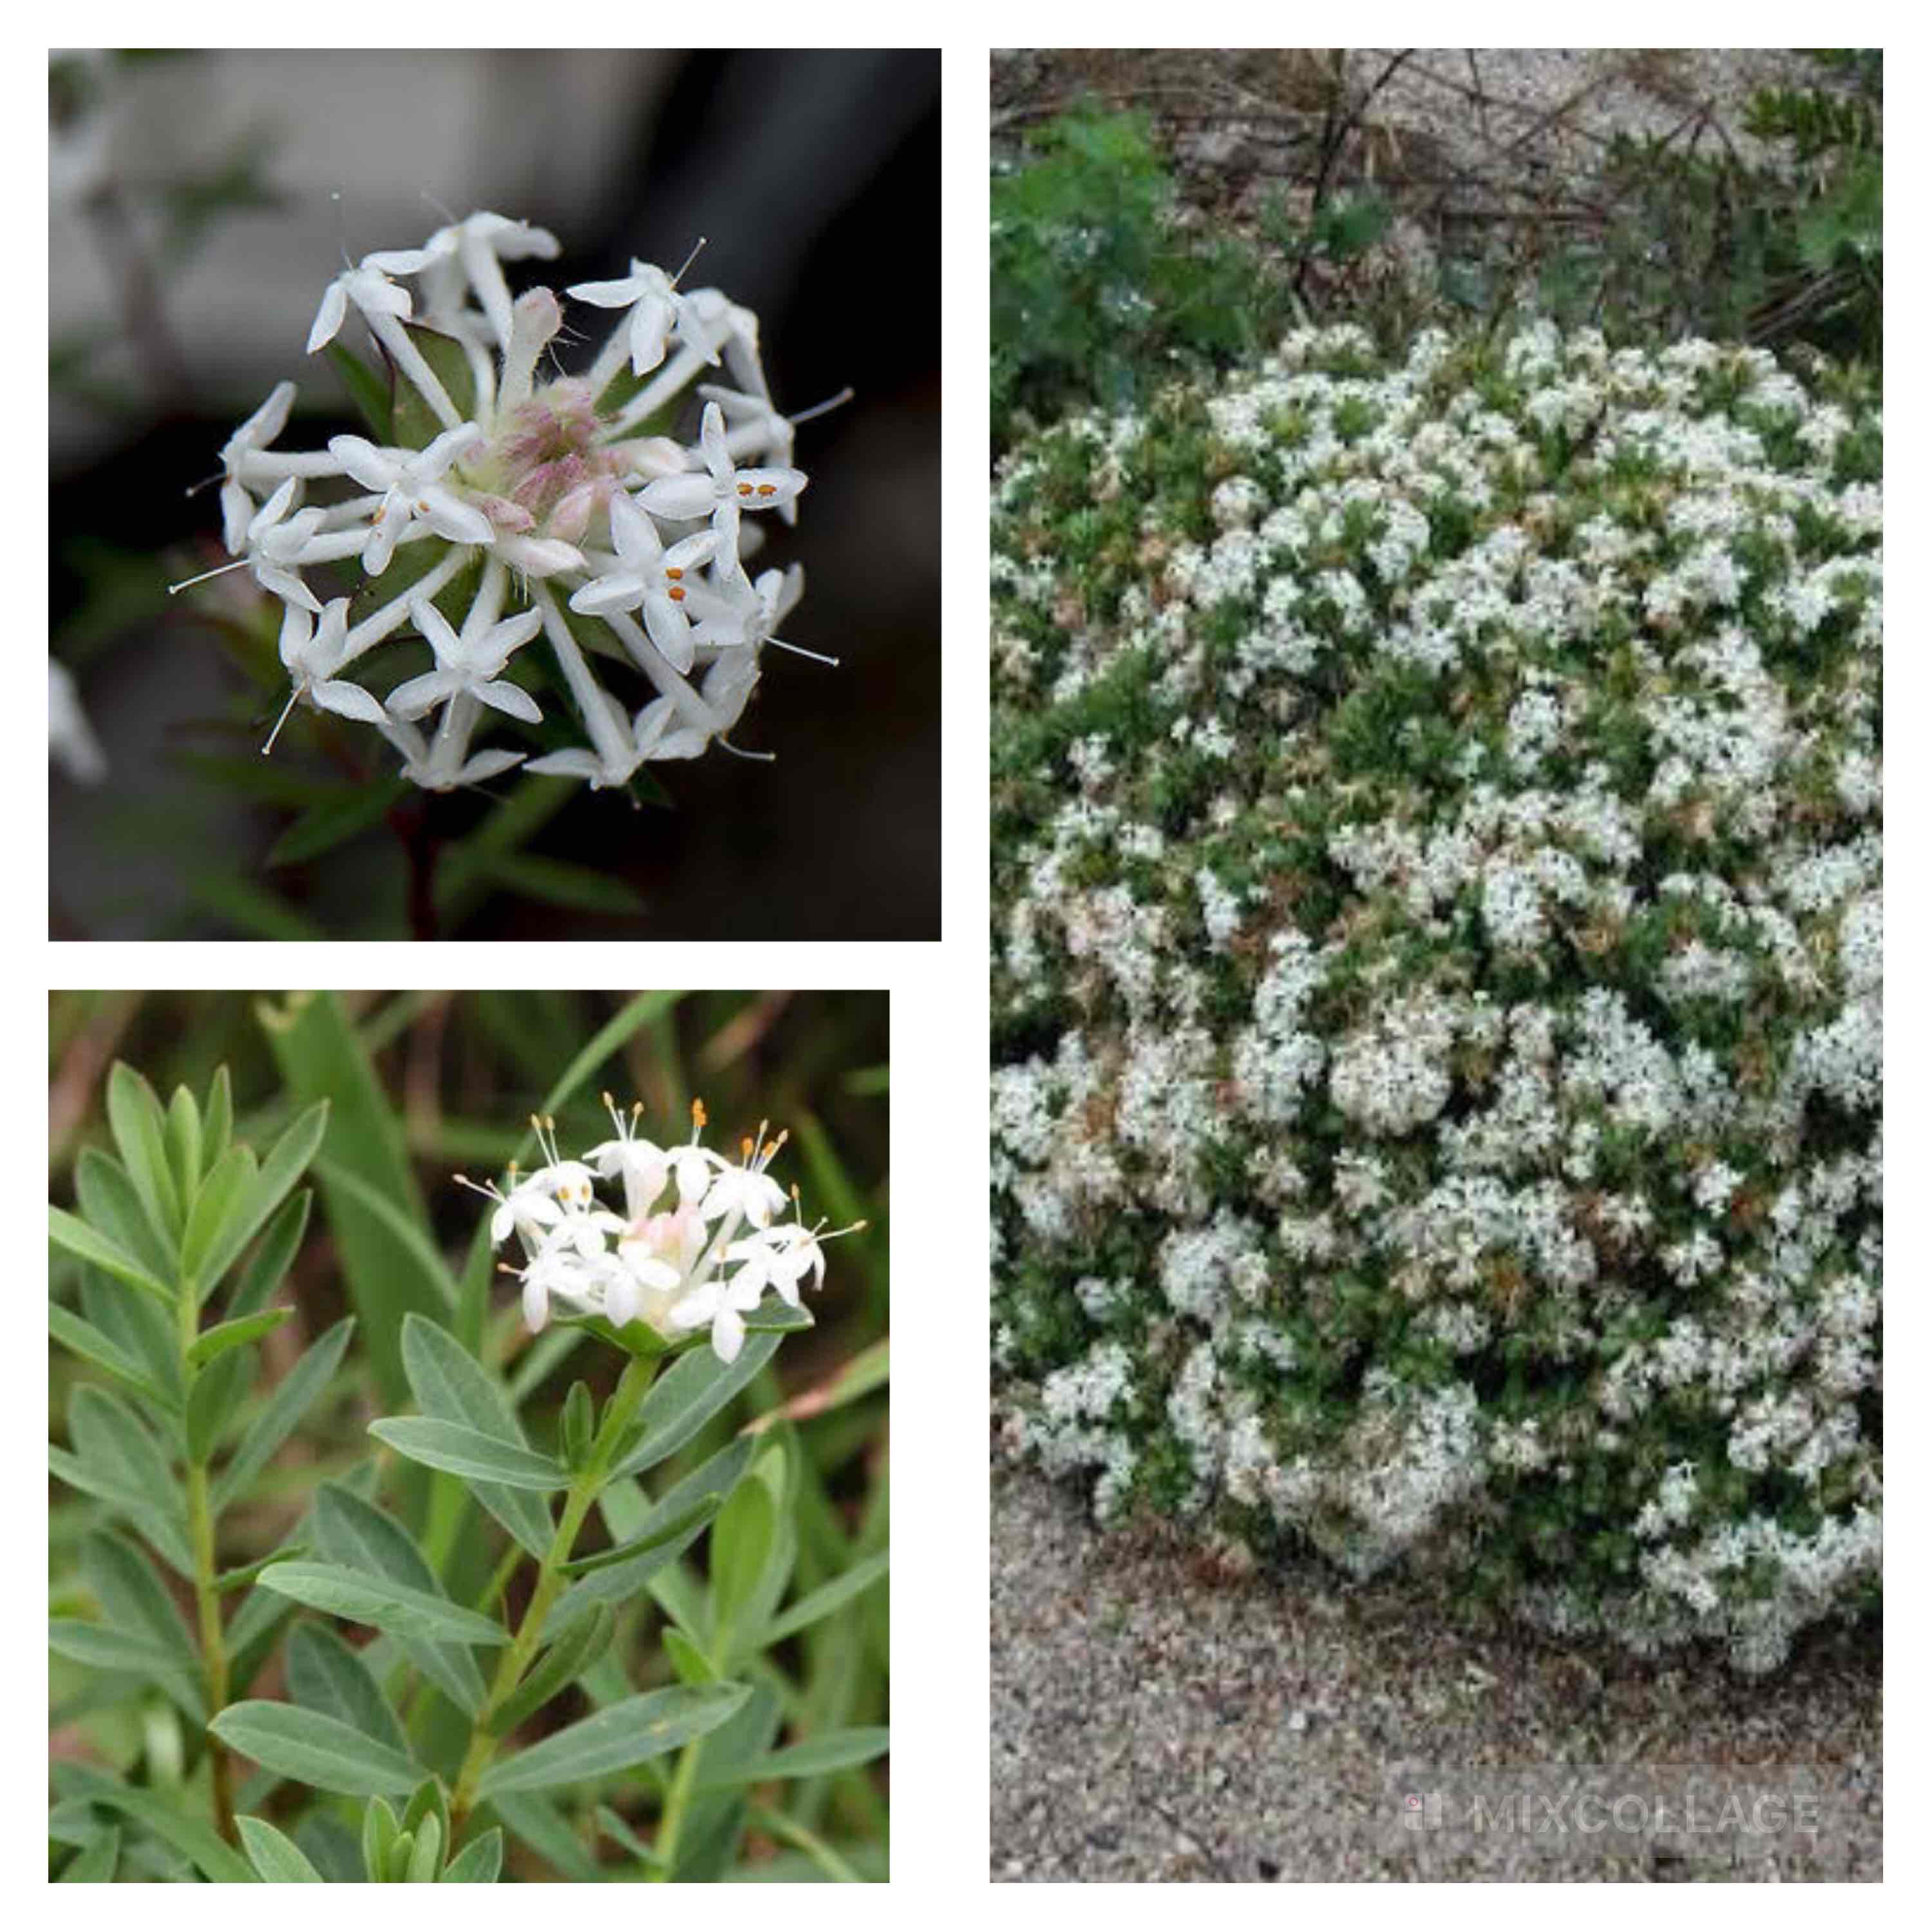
{"points": [[675, 1258], [506, 501], [1437, 970]]}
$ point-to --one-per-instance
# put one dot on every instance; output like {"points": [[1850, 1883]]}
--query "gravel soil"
{"points": [[1152, 1719]]}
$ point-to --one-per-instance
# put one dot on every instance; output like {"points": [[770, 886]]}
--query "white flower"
{"points": [[657, 733], [650, 575], [474, 249], [277, 549], [413, 491], [312, 654], [368, 285], [722, 1306], [747, 1190], [470, 664], [237, 504], [656, 307], [721, 490]]}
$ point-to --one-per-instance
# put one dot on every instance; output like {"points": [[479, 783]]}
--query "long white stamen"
{"points": [[220, 570], [281, 720]]}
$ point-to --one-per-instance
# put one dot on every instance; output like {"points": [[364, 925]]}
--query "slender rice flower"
{"points": [[675, 1258], [547, 492]]}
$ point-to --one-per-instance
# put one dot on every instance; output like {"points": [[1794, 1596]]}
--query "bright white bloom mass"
{"points": [[491, 491], [679, 1257]]}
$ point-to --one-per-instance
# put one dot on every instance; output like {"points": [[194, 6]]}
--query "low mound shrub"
{"points": [[1436, 985]]}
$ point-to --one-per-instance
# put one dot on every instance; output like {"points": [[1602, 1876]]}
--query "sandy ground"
{"points": [[1152, 1721]]}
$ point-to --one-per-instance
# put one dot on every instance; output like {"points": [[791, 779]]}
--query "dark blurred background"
{"points": [[192, 227]]}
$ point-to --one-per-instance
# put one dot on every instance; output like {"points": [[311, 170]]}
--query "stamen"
{"points": [[206, 483], [295, 694], [688, 260], [756, 757], [844, 395], [240, 563], [799, 651]]}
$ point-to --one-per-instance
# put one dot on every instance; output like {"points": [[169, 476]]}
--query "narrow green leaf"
{"points": [[428, 1800], [747, 1522], [140, 1133], [68, 1232], [330, 1846], [407, 1233], [614, 1828], [134, 1598], [210, 1407], [248, 1573], [469, 1452], [286, 1159], [108, 1649], [356, 1534], [87, 1341], [379, 1834], [478, 1864], [687, 1396], [181, 1136], [120, 1461], [167, 1537], [690, 1663], [217, 1341], [427, 1855], [195, 1840], [226, 1195], [694, 1515], [536, 1821], [95, 1862], [324, 1674], [382, 1602], [275, 1255], [322, 1751], [368, 390], [575, 1652], [109, 1204], [217, 1119], [140, 1327], [275, 1858], [616, 1738], [711, 1481], [400, 1855], [820, 1603], [293, 1394], [450, 1384], [835, 1751]]}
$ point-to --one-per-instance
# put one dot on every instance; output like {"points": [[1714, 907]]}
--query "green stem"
{"points": [[492, 1590], [207, 1597], [671, 1824], [618, 1415]]}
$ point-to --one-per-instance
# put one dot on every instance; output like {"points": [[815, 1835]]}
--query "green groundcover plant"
{"points": [[335, 1708], [1436, 985]]}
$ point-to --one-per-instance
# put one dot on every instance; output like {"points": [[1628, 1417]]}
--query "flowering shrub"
{"points": [[502, 502], [1436, 972]]}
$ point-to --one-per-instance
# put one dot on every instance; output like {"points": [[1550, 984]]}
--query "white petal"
{"points": [[487, 765], [349, 701], [412, 699], [679, 498], [364, 462], [511, 698], [728, 1334], [328, 317]]}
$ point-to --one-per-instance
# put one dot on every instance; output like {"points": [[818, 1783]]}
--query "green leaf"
{"points": [[194, 1839], [130, 1500], [358, 1535], [109, 1204], [274, 1857], [400, 1853], [248, 1573], [217, 1341], [293, 1395], [427, 1855], [134, 1599], [87, 1341], [305, 1744], [382, 1602], [820, 1603], [416, 422], [107, 1649], [182, 1137], [140, 1133], [66, 1231], [478, 1864], [534, 1820], [427, 1801], [95, 1862], [368, 390], [225, 1196], [575, 1651], [687, 1396], [217, 1119], [211, 1406], [389, 1259], [323, 827], [747, 1524], [614, 1828], [326, 1675], [469, 1452], [713, 1480], [690, 1663], [557, 882], [695, 1516], [379, 1832], [835, 1751], [451, 1385], [279, 1173], [116, 1459], [275, 1255], [616, 1738]]}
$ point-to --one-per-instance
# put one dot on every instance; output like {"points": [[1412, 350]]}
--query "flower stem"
{"points": [[618, 1415], [208, 1599], [677, 1801]]}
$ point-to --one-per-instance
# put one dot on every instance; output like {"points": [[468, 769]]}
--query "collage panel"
{"points": [[481, 507], [1437, 947], [469, 1420]]}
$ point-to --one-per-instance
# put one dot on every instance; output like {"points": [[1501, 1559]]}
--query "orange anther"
{"points": [[768, 489], [744, 489]]}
